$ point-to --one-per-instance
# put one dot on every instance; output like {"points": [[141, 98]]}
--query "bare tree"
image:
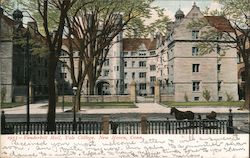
{"points": [[54, 43], [92, 31]]}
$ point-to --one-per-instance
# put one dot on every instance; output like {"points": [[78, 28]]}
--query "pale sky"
{"points": [[171, 6]]}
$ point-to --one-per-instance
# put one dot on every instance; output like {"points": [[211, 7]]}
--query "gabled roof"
{"points": [[8, 20], [133, 44], [220, 23]]}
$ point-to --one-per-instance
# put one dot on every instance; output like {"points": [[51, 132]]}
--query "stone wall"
{"points": [[98, 98]]}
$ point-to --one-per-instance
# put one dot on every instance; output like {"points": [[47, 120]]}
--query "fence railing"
{"points": [[106, 126], [188, 127], [61, 128]]}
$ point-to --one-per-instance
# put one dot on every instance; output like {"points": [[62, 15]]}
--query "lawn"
{"points": [[100, 104], [11, 105], [221, 103]]}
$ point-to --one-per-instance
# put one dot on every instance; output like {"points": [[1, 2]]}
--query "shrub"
{"points": [[206, 94]]}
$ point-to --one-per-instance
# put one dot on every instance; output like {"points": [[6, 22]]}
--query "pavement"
{"points": [[38, 108]]}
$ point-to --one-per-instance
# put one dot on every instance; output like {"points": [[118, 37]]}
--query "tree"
{"points": [[43, 11], [54, 44], [237, 31], [92, 30]]}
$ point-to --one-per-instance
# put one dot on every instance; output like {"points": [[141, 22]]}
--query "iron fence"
{"points": [[188, 127], [61, 128]]}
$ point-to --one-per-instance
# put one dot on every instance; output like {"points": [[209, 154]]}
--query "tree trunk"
{"points": [[91, 87], [51, 116], [78, 100]]}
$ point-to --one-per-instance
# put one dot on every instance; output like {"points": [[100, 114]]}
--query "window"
{"points": [[63, 75], [195, 51], [133, 75], [64, 64], [133, 53], [219, 85], [220, 98], [116, 68], [125, 63], [152, 79], [195, 15], [195, 34], [218, 68], [125, 86], [125, 53], [106, 73], [142, 86], [142, 53], [142, 75], [133, 63], [125, 74], [152, 67], [106, 63], [196, 98], [242, 74], [196, 67], [196, 86], [218, 49], [63, 53], [142, 63], [152, 53]]}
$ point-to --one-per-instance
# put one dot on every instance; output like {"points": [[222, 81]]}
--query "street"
{"points": [[241, 121]]}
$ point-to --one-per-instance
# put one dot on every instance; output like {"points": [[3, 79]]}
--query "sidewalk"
{"points": [[141, 108]]}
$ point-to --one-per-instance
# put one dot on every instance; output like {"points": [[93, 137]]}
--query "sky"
{"points": [[171, 6]]}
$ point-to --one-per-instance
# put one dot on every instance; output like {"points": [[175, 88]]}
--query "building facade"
{"points": [[192, 74], [13, 60], [173, 60]]}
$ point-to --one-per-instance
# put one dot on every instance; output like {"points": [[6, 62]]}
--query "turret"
{"points": [[179, 15]]}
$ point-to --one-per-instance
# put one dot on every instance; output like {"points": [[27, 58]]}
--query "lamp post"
{"points": [[18, 16], [74, 109], [28, 78], [63, 86]]}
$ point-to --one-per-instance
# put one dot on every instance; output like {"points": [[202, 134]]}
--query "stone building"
{"points": [[130, 59], [190, 73], [140, 64], [13, 59]]}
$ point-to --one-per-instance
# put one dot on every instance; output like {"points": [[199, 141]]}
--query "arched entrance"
{"points": [[103, 88]]}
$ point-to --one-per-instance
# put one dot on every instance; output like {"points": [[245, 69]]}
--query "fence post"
{"points": [[3, 122], [79, 125], [230, 129], [157, 96], [105, 124], [133, 91], [114, 127], [144, 124]]}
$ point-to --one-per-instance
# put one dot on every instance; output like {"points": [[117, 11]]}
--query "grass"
{"points": [[221, 103], [11, 105], [94, 105]]}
